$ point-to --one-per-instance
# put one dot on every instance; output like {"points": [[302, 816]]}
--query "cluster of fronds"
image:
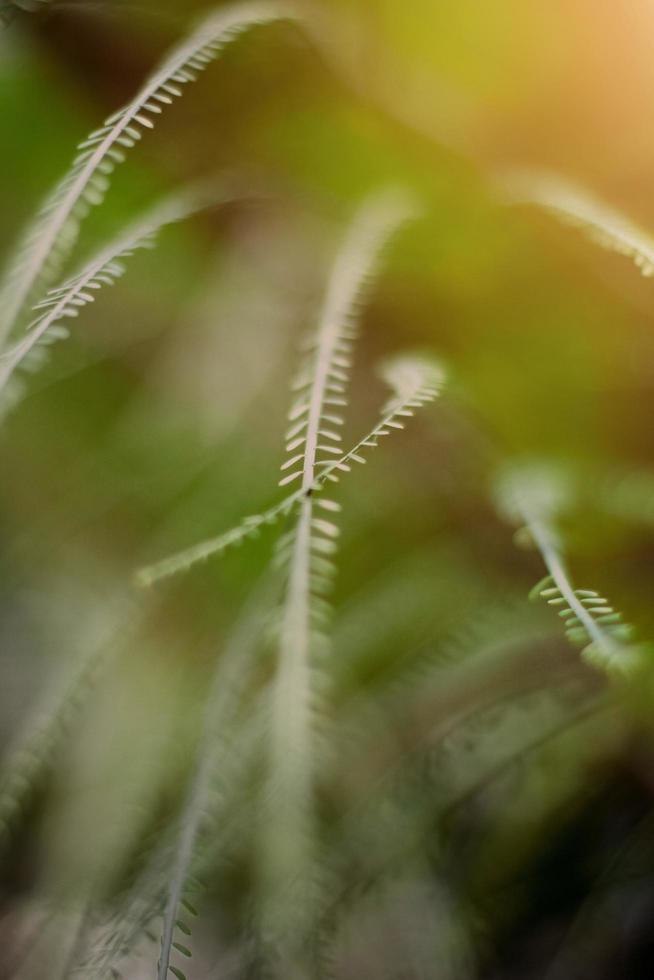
{"points": [[312, 440], [415, 381], [48, 242], [305, 553], [590, 621], [263, 728], [39, 258], [66, 301]]}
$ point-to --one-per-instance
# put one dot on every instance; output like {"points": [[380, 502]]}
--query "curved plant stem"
{"points": [[48, 242]]}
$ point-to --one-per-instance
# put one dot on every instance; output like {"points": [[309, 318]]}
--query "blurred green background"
{"points": [[160, 423]]}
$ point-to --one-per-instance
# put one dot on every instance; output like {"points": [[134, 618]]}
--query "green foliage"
{"points": [[66, 301], [535, 499], [340, 749], [47, 243]]}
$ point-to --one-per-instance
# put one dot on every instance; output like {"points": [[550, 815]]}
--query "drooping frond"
{"points": [[540, 490], [575, 206], [66, 301], [48, 241], [34, 752], [305, 553], [316, 413], [249, 528], [589, 622], [231, 675], [225, 823], [533, 498], [415, 381]]}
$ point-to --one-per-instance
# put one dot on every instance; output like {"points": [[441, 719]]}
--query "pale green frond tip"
{"points": [[619, 660], [143, 578], [575, 206], [541, 489], [524, 539], [403, 372], [397, 203], [249, 12]]}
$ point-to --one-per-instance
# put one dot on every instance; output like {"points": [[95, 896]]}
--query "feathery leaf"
{"points": [[592, 624], [575, 206], [415, 380], [132, 918], [231, 675], [529, 499], [103, 269], [49, 240], [306, 553]]}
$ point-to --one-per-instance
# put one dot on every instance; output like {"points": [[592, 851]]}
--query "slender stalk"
{"points": [[230, 677], [66, 300], [555, 565], [426, 385]]}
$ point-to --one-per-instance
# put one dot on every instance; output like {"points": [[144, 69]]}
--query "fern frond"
{"points": [[415, 380], [320, 384], [526, 496], [306, 553], [575, 206], [249, 528], [48, 241], [67, 300], [225, 821], [589, 623], [231, 675]]}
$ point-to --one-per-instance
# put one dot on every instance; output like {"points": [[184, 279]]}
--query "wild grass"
{"points": [[535, 497], [310, 797], [578, 207]]}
